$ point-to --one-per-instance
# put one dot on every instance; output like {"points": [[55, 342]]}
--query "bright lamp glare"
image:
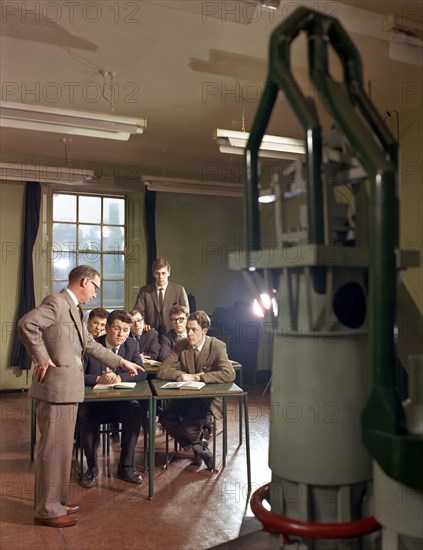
{"points": [[257, 310], [266, 300]]}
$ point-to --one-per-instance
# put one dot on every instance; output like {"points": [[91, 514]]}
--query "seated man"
{"points": [[202, 358], [96, 324], [129, 413], [178, 318], [148, 341]]}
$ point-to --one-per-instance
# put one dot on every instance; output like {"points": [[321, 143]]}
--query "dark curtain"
{"points": [[19, 356], [150, 218]]}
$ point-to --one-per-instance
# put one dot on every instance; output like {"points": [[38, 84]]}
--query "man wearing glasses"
{"points": [[202, 358], [56, 338], [148, 341], [178, 318]]}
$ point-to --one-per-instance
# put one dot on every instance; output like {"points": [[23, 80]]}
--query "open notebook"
{"points": [[183, 386], [118, 385]]}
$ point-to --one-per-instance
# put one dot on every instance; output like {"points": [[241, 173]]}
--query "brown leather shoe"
{"points": [[72, 508], [62, 521]]}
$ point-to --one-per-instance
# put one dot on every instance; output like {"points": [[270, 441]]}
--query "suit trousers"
{"points": [[92, 415], [56, 422], [184, 419]]}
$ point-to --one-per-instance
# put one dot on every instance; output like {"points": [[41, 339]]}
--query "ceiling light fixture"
{"points": [[193, 187], [23, 116], [50, 173], [234, 142]]}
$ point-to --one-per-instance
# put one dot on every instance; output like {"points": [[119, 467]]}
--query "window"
{"points": [[90, 229]]}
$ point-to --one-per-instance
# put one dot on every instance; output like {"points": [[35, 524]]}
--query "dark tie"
{"points": [[115, 350], [81, 313], [160, 300]]}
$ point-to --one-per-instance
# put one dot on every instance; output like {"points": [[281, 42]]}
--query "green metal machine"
{"points": [[337, 420]]}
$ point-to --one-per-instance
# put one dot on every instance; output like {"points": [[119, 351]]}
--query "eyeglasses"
{"points": [[97, 288], [178, 319]]}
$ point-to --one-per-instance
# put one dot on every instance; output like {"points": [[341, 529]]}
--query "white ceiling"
{"points": [[183, 65]]}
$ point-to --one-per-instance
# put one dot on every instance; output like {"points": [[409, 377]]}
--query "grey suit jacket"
{"points": [[54, 331], [213, 365], [148, 302]]}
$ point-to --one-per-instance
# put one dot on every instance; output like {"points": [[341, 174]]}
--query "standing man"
{"points": [[178, 318], [200, 358], [148, 341], [129, 413], [155, 300], [55, 336]]}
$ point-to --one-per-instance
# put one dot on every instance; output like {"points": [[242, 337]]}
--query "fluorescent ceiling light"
{"points": [[194, 187], [44, 174], [233, 142], [23, 116]]}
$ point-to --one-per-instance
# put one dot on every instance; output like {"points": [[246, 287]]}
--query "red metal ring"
{"points": [[274, 523]]}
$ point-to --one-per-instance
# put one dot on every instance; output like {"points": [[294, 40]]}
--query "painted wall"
{"points": [[11, 212], [195, 233]]}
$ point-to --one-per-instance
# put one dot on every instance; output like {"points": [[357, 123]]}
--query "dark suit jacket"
{"points": [[128, 350], [167, 343], [54, 331], [213, 365], [148, 343], [148, 302]]}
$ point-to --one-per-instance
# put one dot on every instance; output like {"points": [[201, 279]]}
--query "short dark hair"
{"points": [[179, 309], [201, 317], [82, 271], [98, 312], [135, 311], [119, 315], [159, 263]]}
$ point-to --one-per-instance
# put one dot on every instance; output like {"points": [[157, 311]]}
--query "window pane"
{"points": [[64, 236], [64, 208], [63, 262], [112, 292], [59, 285], [114, 211], [93, 259], [113, 266], [113, 238], [89, 209], [89, 237], [93, 303]]}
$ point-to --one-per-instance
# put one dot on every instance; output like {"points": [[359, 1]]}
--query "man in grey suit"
{"points": [[55, 336], [197, 358], [156, 299]]}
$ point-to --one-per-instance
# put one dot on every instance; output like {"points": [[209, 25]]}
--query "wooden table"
{"points": [[208, 391]]}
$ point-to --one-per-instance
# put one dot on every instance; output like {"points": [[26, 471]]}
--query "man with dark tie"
{"points": [[155, 300], [197, 358], [55, 336], [178, 318], [128, 413], [148, 341]]}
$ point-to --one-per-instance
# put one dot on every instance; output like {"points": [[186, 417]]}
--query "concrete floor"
{"points": [[191, 508]]}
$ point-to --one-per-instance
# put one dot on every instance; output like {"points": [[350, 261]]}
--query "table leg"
{"points": [[225, 430], [152, 443], [247, 440]]}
